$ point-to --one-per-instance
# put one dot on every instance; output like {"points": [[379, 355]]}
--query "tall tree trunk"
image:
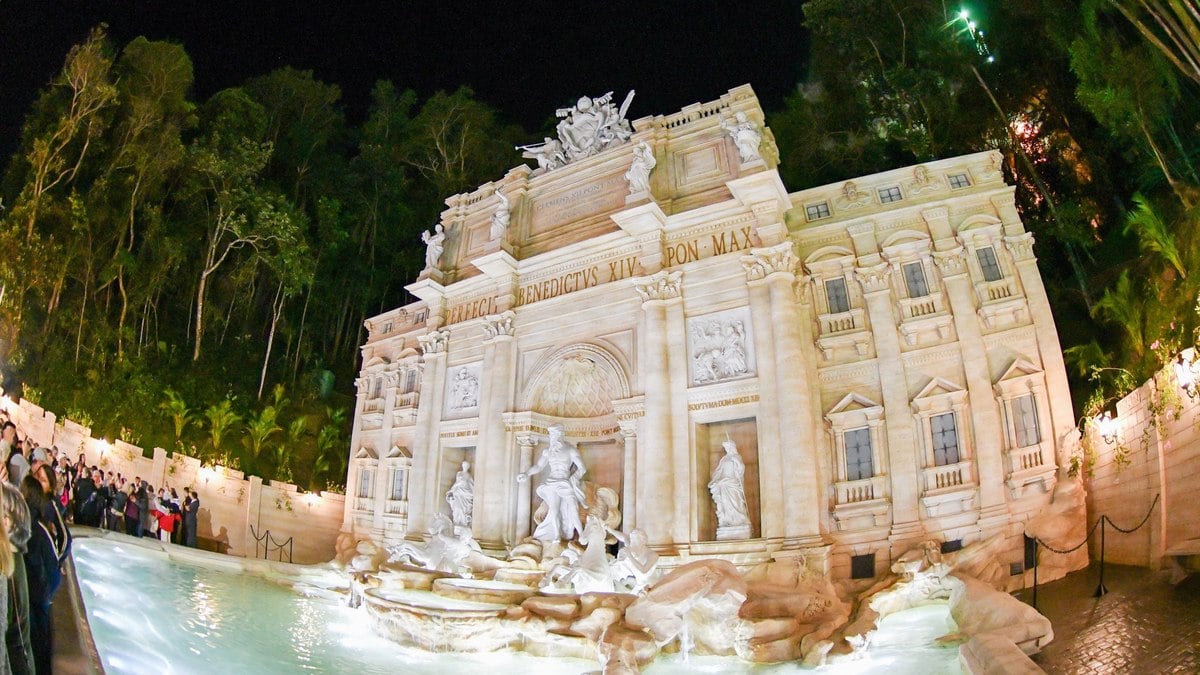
{"points": [[121, 320], [199, 328], [300, 334], [276, 309]]}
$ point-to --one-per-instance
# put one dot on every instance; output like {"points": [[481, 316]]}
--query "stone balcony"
{"points": [[1000, 303], [949, 489], [926, 315], [364, 503], [1027, 468], [861, 503], [843, 329], [396, 507]]}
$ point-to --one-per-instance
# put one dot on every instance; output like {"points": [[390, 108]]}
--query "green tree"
{"points": [[221, 418], [175, 408], [259, 429]]}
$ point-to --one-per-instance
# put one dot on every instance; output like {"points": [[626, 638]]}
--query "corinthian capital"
{"points": [[660, 286], [1020, 246], [497, 325], [763, 262], [874, 278], [952, 263], [434, 342]]}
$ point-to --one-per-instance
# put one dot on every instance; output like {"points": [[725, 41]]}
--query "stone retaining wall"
{"points": [[232, 506]]}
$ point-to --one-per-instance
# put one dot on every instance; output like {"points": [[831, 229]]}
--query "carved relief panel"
{"points": [[720, 346], [462, 390]]}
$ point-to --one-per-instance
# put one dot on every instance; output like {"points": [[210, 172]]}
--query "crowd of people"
{"points": [[41, 491]]}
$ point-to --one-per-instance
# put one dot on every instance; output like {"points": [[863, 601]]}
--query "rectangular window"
{"points": [[945, 439], [817, 211], [1024, 412], [959, 180], [890, 194], [366, 482], [377, 388], [988, 263], [862, 566], [398, 484], [914, 279], [835, 292], [858, 454]]}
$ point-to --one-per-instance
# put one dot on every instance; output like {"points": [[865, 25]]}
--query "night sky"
{"points": [[524, 58]]}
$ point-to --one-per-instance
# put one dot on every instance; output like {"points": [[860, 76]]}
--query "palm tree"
{"points": [[176, 408], [259, 429], [220, 418]]}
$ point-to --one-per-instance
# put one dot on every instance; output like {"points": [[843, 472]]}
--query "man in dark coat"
{"points": [[86, 498], [190, 511]]}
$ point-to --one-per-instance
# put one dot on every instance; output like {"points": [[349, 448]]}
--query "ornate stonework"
{"points": [[498, 325], [875, 278], [1021, 246], [720, 346], [763, 262], [592, 126], [661, 286], [434, 342], [462, 389], [952, 263]]}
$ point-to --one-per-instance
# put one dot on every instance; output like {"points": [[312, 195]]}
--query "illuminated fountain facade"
{"points": [[816, 381]]}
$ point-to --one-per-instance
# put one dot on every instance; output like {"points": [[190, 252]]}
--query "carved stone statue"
{"points": [[435, 243], [461, 497], [746, 136], [444, 550], [591, 126], [639, 172], [922, 182], [852, 197], [636, 564], [729, 495], [464, 391], [561, 490], [589, 572], [501, 217]]}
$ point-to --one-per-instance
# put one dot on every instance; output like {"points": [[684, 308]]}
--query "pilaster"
{"points": [[426, 441], [985, 416], [902, 453], [493, 484], [656, 483], [775, 267]]}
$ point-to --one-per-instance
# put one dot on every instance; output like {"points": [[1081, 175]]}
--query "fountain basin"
{"points": [[482, 590], [396, 575], [517, 575], [437, 623]]}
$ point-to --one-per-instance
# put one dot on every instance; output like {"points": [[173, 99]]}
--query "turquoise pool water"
{"points": [[150, 614]]}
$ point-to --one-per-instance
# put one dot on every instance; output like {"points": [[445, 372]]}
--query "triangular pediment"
{"points": [[937, 387], [1020, 368], [398, 451], [365, 453], [852, 402]]}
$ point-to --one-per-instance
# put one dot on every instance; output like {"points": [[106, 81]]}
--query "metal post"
{"points": [[1101, 589], [1035, 568]]}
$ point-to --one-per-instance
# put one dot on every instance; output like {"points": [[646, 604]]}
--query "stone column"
{"points": [[1062, 416], [792, 471], [493, 484], [361, 384], [903, 453], [629, 473], [655, 495], [771, 467], [383, 472], [985, 415], [422, 500], [525, 442]]}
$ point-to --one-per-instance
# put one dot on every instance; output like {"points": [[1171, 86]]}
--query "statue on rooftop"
{"points": [[501, 217], [639, 171], [746, 136], [435, 243], [591, 126]]}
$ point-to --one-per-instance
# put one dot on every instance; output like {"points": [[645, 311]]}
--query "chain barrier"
{"points": [[1139, 525], [1101, 589]]}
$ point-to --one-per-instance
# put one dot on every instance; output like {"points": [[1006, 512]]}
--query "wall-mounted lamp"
{"points": [[103, 446], [310, 499], [1186, 375], [1107, 426]]}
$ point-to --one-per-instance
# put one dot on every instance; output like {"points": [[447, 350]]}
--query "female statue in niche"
{"points": [[729, 493], [461, 496]]}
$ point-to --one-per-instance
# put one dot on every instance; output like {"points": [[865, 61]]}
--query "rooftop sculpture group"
{"points": [[591, 126]]}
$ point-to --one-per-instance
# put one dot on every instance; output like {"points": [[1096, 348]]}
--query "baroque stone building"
{"points": [[881, 351]]}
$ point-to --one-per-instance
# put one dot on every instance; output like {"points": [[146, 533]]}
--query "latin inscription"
{"points": [[471, 310], [720, 243], [578, 280], [589, 200]]}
